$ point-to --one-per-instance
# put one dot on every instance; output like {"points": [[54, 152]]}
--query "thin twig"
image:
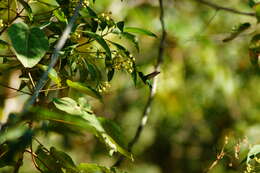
{"points": [[18, 90], [17, 16], [231, 10], [219, 157], [152, 92], [7, 55], [36, 156], [206, 25], [31, 79], [33, 155], [8, 11], [54, 59], [54, 89]]}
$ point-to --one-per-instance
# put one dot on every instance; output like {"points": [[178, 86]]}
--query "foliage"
{"points": [[88, 61], [207, 88]]}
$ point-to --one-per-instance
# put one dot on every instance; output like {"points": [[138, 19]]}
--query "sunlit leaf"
{"points": [[69, 119], [60, 15], [92, 168], [68, 105], [84, 89], [255, 150], [53, 75], [118, 46], [257, 11], [139, 31], [103, 128]]}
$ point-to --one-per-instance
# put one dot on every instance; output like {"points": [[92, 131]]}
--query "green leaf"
{"points": [[83, 120], [91, 12], [46, 162], [142, 76], [3, 45], [131, 38], [118, 46], [110, 74], [113, 130], [30, 44], [78, 109], [134, 76], [103, 24], [84, 89], [60, 15], [255, 43], [94, 72], [114, 142], [255, 150], [27, 8], [68, 119], [12, 133], [63, 159], [53, 75], [257, 11], [92, 168], [68, 105], [101, 41], [120, 26], [236, 31], [152, 75], [139, 31], [113, 146], [252, 3]]}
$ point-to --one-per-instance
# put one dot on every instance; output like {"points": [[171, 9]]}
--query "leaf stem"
{"points": [[231, 10]]}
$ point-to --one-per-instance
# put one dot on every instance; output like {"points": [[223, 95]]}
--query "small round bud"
{"points": [[1, 23]]}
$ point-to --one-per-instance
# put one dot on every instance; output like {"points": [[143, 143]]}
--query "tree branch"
{"points": [[231, 10], [152, 92]]}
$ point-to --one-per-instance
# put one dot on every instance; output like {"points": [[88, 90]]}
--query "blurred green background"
{"points": [[207, 90]]}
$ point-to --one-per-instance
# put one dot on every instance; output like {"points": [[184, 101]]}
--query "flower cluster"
{"points": [[75, 36], [105, 19], [85, 3], [74, 3], [1, 23], [103, 87], [123, 62]]}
